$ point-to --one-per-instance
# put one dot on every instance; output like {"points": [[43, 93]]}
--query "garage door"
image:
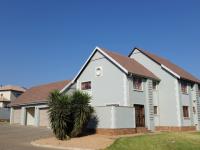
{"points": [[16, 115], [44, 119], [30, 116]]}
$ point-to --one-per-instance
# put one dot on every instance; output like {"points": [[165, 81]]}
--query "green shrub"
{"points": [[69, 114]]}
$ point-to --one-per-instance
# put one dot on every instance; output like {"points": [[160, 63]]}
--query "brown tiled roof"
{"points": [[178, 70], [12, 88], [38, 94], [131, 65]]}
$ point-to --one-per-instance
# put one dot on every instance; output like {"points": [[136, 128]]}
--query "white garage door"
{"points": [[16, 115], [44, 119], [30, 116]]}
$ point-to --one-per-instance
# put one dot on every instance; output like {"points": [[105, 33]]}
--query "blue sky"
{"points": [[48, 40]]}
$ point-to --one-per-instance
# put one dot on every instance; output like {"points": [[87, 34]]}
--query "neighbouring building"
{"points": [[31, 107], [9, 93], [133, 93]]}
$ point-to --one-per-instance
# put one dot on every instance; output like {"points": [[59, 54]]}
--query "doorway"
{"points": [[139, 115]]}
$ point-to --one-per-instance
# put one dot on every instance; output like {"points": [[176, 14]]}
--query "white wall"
{"points": [[6, 95], [169, 108]]}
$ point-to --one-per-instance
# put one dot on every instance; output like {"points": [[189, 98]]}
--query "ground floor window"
{"points": [[194, 110], [185, 112], [155, 110]]}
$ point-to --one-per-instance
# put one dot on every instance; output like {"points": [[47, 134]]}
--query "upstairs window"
{"points": [[155, 110], [154, 85], [185, 112], [137, 84], [184, 87], [86, 85]]}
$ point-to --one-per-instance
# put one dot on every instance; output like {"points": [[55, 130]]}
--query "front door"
{"points": [[139, 115]]}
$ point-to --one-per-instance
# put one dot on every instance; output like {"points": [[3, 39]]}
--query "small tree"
{"points": [[69, 114]]}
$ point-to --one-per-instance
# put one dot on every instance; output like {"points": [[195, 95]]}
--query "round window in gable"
{"points": [[99, 71]]}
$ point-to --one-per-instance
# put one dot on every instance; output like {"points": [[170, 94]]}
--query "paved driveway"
{"points": [[15, 137]]}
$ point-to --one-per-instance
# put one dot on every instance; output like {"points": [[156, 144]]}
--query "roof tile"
{"points": [[39, 93], [131, 65], [178, 70]]}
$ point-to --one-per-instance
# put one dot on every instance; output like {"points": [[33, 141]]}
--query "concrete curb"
{"points": [[58, 147]]}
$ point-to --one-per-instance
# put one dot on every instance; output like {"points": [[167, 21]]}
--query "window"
{"points": [[184, 88], [154, 85], [86, 85], [99, 71], [137, 84], [199, 90], [17, 94], [155, 110], [185, 112], [1, 96], [194, 110]]}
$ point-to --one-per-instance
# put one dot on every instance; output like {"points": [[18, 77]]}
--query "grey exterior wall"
{"points": [[156, 103], [168, 92], [136, 97], [71, 89], [112, 117], [4, 113], [108, 88], [186, 100], [196, 103], [114, 87]]}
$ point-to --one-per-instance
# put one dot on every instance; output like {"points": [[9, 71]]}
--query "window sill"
{"points": [[138, 90], [186, 118]]}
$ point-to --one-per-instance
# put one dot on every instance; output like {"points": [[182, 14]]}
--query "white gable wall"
{"points": [[108, 88], [169, 107]]}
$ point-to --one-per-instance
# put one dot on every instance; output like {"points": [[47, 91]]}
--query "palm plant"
{"points": [[82, 111], [69, 114], [59, 114]]}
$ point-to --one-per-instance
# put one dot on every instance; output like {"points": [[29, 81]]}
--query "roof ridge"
{"points": [[119, 54], [169, 64]]}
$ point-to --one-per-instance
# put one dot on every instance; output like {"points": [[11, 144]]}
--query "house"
{"points": [[9, 93], [139, 91], [31, 107], [132, 93], [178, 97]]}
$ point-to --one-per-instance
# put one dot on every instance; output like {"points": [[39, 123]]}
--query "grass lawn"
{"points": [[163, 141]]}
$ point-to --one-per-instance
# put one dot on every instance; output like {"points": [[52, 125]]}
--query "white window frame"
{"points": [[140, 90], [156, 86], [157, 110], [187, 88], [188, 109], [85, 82]]}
